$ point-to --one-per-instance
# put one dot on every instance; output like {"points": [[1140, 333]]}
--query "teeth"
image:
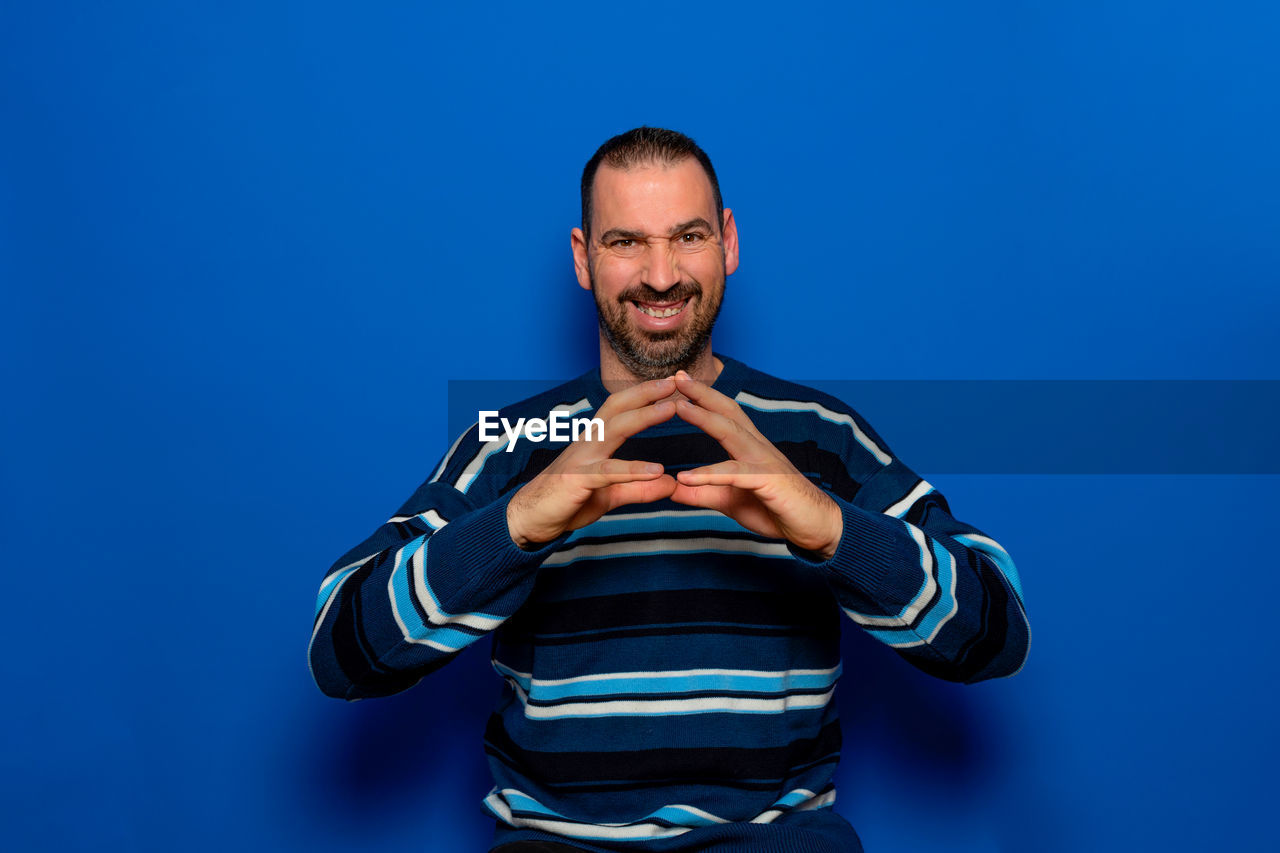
{"points": [[666, 312]]}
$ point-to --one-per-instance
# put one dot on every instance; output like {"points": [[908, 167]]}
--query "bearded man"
{"points": [[665, 601]]}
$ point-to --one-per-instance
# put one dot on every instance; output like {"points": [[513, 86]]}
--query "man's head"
{"points": [[655, 247]]}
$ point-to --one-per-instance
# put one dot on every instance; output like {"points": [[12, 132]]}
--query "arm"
{"points": [[446, 569], [433, 579], [940, 592]]}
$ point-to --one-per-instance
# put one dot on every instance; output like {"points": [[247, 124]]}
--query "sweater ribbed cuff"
{"points": [[482, 539], [873, 548]]}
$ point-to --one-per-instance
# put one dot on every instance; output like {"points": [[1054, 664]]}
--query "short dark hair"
{"points": [[642, 146]]}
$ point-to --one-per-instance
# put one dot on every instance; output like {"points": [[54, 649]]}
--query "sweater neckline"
{"points": [[729, 382]]}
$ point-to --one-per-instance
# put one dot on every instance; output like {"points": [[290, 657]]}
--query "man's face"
{"points": [[656, 263]]}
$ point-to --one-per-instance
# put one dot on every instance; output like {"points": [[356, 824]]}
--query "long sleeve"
{"points": [[439, 575], [940, 592]]}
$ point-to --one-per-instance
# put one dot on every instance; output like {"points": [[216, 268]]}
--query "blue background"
{"points": [[243, 248]]}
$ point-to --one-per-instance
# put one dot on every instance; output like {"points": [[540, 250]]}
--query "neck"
{"points": [[615, 375]]}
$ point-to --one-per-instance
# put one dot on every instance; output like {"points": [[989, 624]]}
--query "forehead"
{"points": [[651, 198]]}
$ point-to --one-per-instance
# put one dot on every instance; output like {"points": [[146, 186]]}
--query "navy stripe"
{"points": [[700, 763]]}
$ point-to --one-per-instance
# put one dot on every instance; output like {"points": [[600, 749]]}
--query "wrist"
{"points": [[836, 522], [523, 542]]}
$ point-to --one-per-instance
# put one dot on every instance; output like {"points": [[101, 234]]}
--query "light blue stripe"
{"points": [[790, 800], [910, 604], [611, 555], [710, 683], [680, 816], [673, 814], [946, 602], [999, 556], [529, 804], [687, 713], [404, 556], [676, 522], [419, 630], [327, 589]]}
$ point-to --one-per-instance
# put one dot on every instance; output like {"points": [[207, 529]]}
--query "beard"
{"points": [[654, 355]]}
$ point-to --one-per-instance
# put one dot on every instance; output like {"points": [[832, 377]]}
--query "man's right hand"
{"points": [[585, 481]]}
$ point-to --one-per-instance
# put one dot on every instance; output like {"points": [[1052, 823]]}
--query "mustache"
{"points": [[644, 293]]}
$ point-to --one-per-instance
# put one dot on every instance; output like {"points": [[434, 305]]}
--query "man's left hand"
{"points": [[757, 487]]}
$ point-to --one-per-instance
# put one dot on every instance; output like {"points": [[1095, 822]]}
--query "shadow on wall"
{"points": [[897, 720], [399, 766]]}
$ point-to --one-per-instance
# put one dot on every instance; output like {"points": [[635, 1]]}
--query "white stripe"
{"points": [[477, 463], [677, 546], [621, 832], [812, 801], [469, 474], [431, 517], [404, 629], [821, 411], [651, 707], [357, 564], [673, 673], [436, 616], [900, 509], [909, 613], [955, 607], [405, 632], [823, 801], [444, 463], [641, 829]]}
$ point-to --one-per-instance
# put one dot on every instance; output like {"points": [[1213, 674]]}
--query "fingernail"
{"points": [[652, 468]]}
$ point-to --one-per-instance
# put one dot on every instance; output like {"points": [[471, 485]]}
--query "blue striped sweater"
{"points": [[669, 674]]}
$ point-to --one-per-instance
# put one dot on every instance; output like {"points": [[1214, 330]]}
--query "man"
{"points": [[665, 600]]}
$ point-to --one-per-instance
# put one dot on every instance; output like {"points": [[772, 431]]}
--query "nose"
{"points": [[662, 270]]}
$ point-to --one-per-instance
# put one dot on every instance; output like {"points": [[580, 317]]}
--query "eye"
{"points": [[691, 238], [622, 244]]}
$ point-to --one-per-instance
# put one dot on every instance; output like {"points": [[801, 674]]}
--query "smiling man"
{"points": [[665, 603]]}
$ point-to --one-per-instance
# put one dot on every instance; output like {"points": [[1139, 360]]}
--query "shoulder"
{"points": [[783, 405]]}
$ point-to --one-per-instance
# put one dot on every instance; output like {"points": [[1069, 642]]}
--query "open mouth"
{"points": [[661, 310]]}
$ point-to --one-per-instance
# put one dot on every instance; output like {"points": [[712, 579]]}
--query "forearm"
{"points": [[387, 619], [937, 591]]}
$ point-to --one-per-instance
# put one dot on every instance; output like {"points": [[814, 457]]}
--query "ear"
{"points": [[729, 239], [581, 267]]}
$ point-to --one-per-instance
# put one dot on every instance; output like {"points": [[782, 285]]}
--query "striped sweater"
{"points": [[669, 674]]}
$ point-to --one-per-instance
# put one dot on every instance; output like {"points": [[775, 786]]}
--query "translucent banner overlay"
{"points": [[1028, 426]]}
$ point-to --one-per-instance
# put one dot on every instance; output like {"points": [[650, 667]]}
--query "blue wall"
{"points": [[242, 252]]}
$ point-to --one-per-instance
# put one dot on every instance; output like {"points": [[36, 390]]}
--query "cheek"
{"points": [[612, 278]]}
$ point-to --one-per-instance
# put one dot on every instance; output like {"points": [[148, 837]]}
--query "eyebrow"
{"points": [[628, 234]]}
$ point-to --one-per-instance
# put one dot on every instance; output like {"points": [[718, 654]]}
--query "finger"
{"points": [[622, 426], [635, 396], [712, 400], [739, 443], [735, 503], [730, 473], [607, 472], [622, 494]]}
